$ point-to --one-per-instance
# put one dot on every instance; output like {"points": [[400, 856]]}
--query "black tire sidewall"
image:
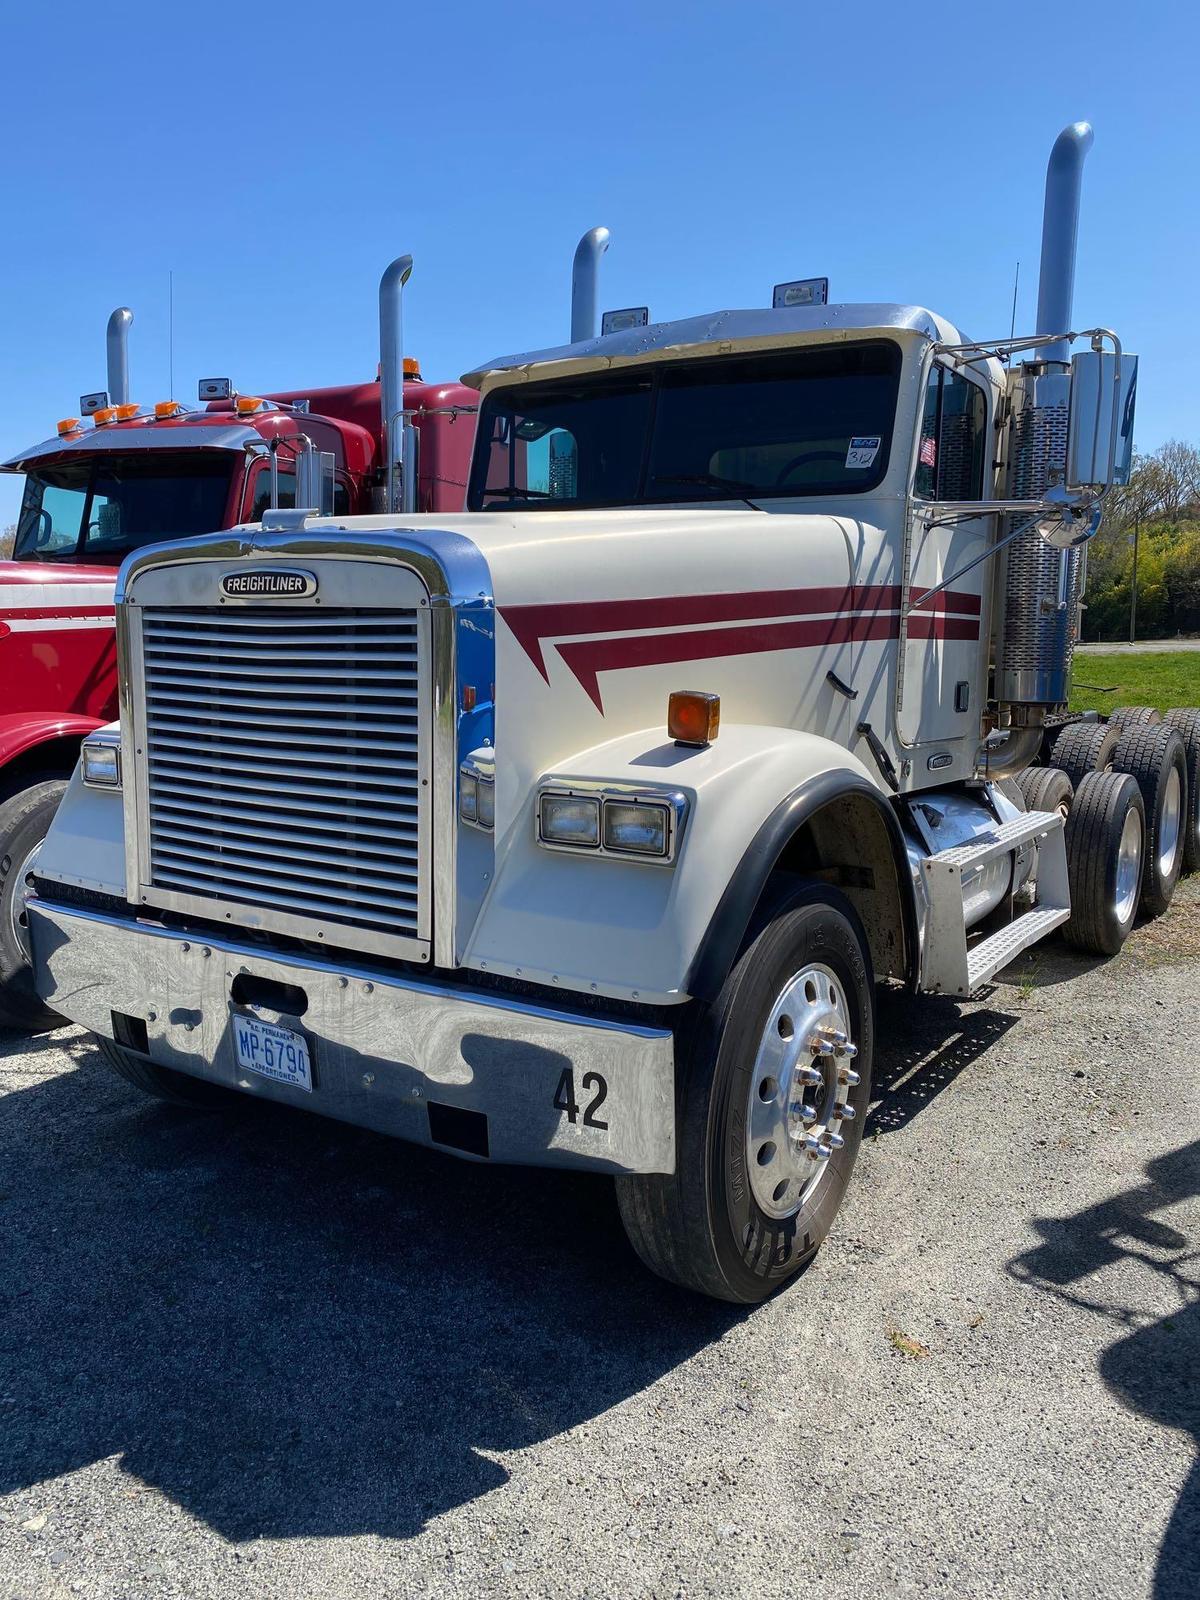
{"points": [[815, 926], [24, 820]]}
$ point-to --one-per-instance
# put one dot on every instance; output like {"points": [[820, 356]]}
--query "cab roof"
{"points": [[760, 326]]}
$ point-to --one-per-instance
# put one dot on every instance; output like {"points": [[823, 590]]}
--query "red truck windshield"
{"points": [[777, 424], [100, 508]]}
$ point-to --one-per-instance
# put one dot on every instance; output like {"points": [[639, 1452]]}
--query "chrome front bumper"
{"points": [[472, 1072]]}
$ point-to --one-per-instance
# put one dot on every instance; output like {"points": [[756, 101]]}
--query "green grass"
{"points": [[1171, 678]]}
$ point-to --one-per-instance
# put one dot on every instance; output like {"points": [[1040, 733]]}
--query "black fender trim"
{"points": [[718, 949]]}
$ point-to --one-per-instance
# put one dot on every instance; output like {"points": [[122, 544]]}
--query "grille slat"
{"points": [[284, 761]]}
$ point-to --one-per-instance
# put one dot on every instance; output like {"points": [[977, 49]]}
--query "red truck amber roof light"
{"points": [[68, 425]]}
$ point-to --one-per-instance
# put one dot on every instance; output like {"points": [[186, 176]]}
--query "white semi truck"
{"points": [[578, 830]]}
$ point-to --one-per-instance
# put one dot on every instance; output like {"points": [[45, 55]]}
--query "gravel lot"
{"points": [[271, 1356]]}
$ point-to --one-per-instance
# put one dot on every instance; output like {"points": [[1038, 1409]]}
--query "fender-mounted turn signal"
{"points": [[693, 717]]}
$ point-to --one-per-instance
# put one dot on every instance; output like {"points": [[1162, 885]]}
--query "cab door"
{"points": [[943, 677]]}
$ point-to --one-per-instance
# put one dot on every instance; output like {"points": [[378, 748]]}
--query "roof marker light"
{"points": [[412, 368], [803, 292], [166, 408], [126, 411], [104, 416], [246, 403], [68, 425]]}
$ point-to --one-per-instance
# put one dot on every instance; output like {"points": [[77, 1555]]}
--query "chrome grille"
{"points": [[284, 764]]}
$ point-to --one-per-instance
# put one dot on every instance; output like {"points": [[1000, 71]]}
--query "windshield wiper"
{"points": [[511, 492], [710, 480]]}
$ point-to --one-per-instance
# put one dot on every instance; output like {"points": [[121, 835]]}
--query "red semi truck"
{"points": [[121, 476]]}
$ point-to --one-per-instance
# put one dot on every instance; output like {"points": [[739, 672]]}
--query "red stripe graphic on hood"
{"points": [[533, 624], [818, 616]]}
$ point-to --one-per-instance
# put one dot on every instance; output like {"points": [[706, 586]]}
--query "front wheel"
{"points": [[25, 821], [773, 1084]]}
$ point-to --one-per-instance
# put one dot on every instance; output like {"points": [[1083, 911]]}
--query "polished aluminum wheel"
{"points": [[801, 1091], [1129, 867], [16, 906], [1170, 832]]}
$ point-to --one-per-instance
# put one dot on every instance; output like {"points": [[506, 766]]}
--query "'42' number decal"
{"points": [[593, 1084]]}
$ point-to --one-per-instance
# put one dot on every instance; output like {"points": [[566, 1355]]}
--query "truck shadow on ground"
{"points": [[292, 1328], [1152, 1368], [923, 1046]]}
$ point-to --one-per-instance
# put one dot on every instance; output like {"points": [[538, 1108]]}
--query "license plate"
{"points": [[275, 1053]]}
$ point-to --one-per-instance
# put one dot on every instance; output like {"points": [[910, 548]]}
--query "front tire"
{"points": [[25, 820], [773, 1083]]}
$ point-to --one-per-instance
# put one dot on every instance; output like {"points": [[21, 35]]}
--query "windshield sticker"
{"points": [[862, 451]]}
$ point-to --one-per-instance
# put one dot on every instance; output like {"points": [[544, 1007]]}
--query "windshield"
{"points": [[99, 508], [785, 423]]}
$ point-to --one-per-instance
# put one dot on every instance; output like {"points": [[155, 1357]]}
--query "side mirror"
{"points": [[1100, 454], [314, 479], [1076, 521]]}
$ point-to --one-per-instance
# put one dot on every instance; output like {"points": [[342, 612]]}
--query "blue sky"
{"points": [[275, 158]]}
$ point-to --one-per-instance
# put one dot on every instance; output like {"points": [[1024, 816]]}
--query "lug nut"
{"points": [[843, 1112], [819, 1046], [805, 1113], [847, 1050], [834, 1141], [837, 1037], [815, 1150], [849, 1077], [808, 1075]]}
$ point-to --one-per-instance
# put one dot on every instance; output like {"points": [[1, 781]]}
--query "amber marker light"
{"points": [[412, 368], [124, 412], [166, 408], [246, 403], [693, 717], [68, 425], [105, 415]]}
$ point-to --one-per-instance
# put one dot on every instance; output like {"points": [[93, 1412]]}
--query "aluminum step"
{"points": [[993, 954], [948, 964], [1029, 828]]}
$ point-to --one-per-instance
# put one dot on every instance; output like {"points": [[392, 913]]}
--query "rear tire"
{"points": [[25, 821], [1106, 839], [1154, 755], [1046, 789], [1186, 722], [1129, 716], [1084, 747], [164, 1083], [751, 1198]]}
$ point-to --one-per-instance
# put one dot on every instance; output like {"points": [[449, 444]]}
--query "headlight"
{"points": [[568, 819], [611, 822], [101, 764], [643, 827]]}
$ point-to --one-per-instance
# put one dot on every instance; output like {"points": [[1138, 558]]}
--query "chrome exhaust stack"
{"points": [[398, 432], [1040, 585], [585, 283], [117, 344]]}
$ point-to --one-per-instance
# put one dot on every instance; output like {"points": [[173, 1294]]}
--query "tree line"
{"points": [[1157, 516]]}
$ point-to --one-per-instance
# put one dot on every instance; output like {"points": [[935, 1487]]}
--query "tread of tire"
{"points": [[1037, 785], [159, 1081], [1131, 716], [1084, 747]]}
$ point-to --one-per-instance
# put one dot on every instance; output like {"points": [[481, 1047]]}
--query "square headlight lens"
{"points": [[485, 804], [102, 765], [642, 829], [468, 797], [567, 819]]}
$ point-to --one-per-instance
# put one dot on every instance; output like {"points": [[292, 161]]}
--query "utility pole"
{"points": [[1133, 589]]}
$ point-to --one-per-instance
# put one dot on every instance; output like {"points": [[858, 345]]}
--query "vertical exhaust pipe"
{"points": [[401, 492], [585, 283], [1060, 233], [117, 342]]}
